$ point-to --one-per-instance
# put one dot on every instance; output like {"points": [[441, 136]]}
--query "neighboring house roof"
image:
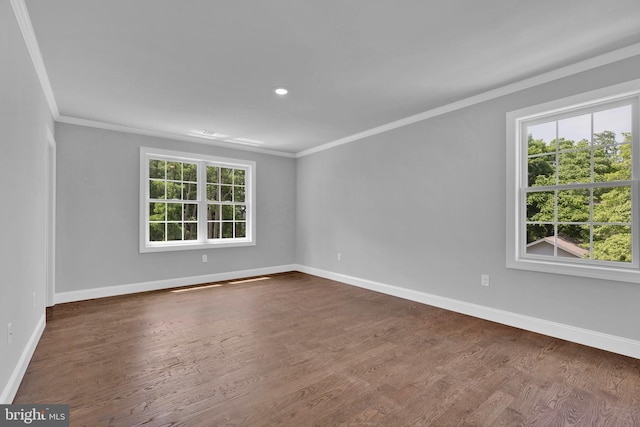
{"points": [[563, 244]]}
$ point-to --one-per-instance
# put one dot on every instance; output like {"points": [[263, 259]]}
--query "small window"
{"points": [[192, 202], [573, 187]]}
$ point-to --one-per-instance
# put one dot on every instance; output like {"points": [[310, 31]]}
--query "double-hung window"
{"points": [[572, 191], [191, 201]]}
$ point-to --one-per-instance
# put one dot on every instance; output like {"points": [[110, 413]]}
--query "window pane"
{"points": [[238, 177], [612, 163], [191, 231], [156, 189], [174, 231], [241, 229], [157, 212], [156, 232], [226, 175], [540, 206], [227, 212], [238, 194], [213, 231], [214, 212], [622, 164], [540, 239], [190, 212], [574, 166], [190, 191], [612, 204], [174, 211], [612, 243], [226, 193], [573, 205], [174, 171], [174, 191], [240, 212], [612, 125], [573, 241], [213, 193], [542, 170], [156, 168], [190, 172], [212, 174], [180, 193], [542, 138], [227, 230], [581, 158], [575, 131], [602, 164]]}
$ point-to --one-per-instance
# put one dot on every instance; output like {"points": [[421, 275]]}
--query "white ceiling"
{"points": [[351, 65]]}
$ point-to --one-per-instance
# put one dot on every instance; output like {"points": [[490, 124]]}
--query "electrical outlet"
{"points": [[204, 258], [9, 333], [339, 256], [484, 279]]}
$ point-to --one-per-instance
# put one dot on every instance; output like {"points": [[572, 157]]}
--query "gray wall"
{"points": [[423, 207], [98, 213], [24, 119]]}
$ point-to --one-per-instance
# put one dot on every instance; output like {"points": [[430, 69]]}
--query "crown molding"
{"points": [[24, 22], [578, 67], [186, 138], [26, 28]]}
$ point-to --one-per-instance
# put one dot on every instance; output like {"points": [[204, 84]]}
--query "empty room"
{"points": [[320, 213]]}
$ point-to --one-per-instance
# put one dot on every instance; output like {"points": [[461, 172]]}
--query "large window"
{"points": [[192, 201], [573, 189]]}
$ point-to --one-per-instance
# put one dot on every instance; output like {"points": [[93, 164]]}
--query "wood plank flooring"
{"points": [[297, 350]]}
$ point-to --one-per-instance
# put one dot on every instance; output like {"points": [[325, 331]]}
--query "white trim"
{"points": [[50, 220], [578, 67], [155, 285], [202, 242], [9, 392], [145, 132], [515, 172], [612, 343], [26, 28]]}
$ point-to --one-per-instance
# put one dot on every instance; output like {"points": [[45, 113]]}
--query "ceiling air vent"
{"points": [[203, 133], [248, 141], [209, 134]]}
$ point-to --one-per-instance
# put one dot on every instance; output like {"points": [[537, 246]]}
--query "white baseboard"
{"points": [[110, 291], [612, 343], [10, 390]]}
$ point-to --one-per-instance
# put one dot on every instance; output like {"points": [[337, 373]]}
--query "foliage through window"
{"points": [[194, 201], [226, 203], [579, 181], [173, 200], [572, 193]]}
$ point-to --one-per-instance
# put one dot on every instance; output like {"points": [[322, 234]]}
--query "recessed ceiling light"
{"points": [[281, 91]]}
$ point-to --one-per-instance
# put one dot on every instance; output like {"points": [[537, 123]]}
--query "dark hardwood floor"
{"points": [[297, 350]]}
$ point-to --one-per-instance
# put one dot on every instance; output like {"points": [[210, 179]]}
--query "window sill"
{"points": [[195, 246], [627, 274]]}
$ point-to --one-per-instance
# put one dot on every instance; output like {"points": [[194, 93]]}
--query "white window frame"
{"points": [[202, 242], [516, 175]]}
